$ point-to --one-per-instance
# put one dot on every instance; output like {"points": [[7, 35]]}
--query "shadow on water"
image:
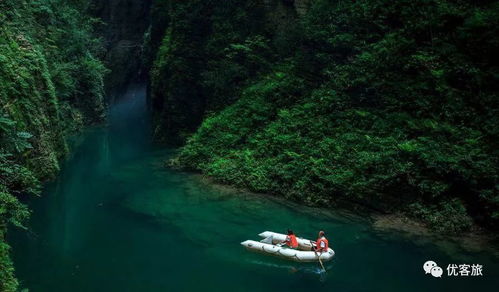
{"points": [[117, 220]]}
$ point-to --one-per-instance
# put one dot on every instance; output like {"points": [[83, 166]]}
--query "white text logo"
{"points": [[453, 270]]}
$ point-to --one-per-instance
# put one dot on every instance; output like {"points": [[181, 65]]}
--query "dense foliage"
{"points": [[50, 85], [195, 68], [389, 104]]}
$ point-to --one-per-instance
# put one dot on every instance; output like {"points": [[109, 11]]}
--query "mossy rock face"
{"points": [[29, 98], [51, 84]]}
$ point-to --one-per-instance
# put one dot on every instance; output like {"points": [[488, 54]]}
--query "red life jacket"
{"points": [[326, 243], [291, 241]]}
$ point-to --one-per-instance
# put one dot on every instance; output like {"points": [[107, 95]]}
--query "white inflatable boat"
{"points": [[269, 246]]}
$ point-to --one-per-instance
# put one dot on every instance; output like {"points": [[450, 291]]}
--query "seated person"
{"points": [[291, 240], [322, 244]]}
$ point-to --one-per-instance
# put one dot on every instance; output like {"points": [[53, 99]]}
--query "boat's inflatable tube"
{"points": [[302, 254]]}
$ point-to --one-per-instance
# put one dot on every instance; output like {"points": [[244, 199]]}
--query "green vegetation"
{"points": [[392, 105], [50, 85], [197, 36]]}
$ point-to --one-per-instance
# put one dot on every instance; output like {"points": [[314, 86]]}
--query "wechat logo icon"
{"points": [[430, 267]]}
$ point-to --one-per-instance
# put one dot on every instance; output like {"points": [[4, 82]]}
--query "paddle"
{"points": [[322, 265], [318, 256]]}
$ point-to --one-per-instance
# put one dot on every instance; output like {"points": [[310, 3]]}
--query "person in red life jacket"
{"points": [[322, 244], [291, 240]]}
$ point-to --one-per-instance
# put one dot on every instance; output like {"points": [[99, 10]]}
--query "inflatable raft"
{"points": [[269, 246]]}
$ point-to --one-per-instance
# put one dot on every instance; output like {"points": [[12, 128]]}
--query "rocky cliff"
{"points": [[51, 84], [189, 41], [123, 28], [387, 104]]}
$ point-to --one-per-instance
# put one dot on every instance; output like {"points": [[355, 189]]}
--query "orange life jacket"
{"points": [[291, 241], [326, 243]]}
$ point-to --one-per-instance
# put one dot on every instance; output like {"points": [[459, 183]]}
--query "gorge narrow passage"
{"points": [[117, 220]]}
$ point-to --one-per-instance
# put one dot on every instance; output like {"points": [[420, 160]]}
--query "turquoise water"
{"points": [[117, 220]]}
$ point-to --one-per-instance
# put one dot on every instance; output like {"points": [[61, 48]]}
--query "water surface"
{"points": [[117, 220]]}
